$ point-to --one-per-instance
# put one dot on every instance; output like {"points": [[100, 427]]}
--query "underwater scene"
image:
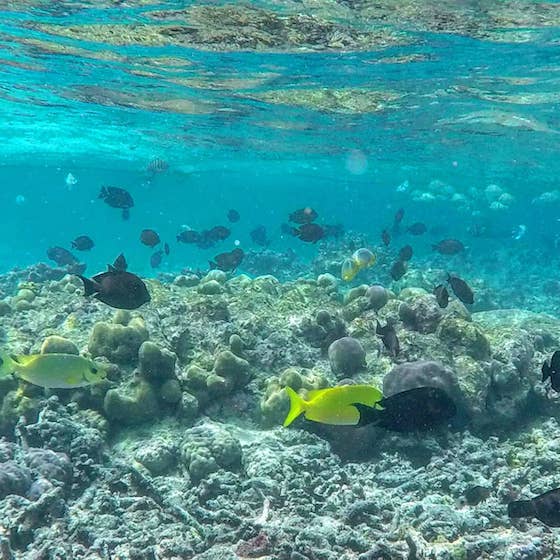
{"points": [[279, 279]]}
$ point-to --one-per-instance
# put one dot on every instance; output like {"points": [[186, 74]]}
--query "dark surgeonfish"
{"points": [[386, 237], [233, 216], [389, 338], [310, 233], [461, 289], [149, 237], [442, 296], [117, 287], [228, 262], [61, 256], [189, 236], [545, 508], [405, 254], [449, 247], [303, 216], [156, 258], [417, 229], [117, 198], [398, 270], [420, 409], [259, 237], [552, 371], [83, 243]]}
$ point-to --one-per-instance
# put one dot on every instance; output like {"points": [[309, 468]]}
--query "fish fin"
{"points": [[368, 414], [297, 406], [521, 508], [90, 286], [7, 364], [120, 264]]}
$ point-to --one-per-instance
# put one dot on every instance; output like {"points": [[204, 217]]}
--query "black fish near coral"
{"points": [[149, 237], [310, 233], [303, 216], [117, 198], [545, 507], [117, 287], [461, 289], [398, 270], [259, 237], [386, 237], [419, 409], [389, 338], [228, 262], [449, 247], [61, 256], [405, 254], [442, 296], [552, 371], [417, 229], [83, 243]]}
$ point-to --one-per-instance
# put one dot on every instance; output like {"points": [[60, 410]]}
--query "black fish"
{"points": [[117, 287], [149, 237], [449, 247], [397, 220], [189, 236], [398, 270], [303, 216], [83, 243], [310, 233], [389, 338], [461, 289], [545, 508], [386, 237], [117, 198], [233, 216], [228, 262], [442, 296], [155, 259], [61, 256], [166, 248], [217, 233], [552, 371], [418, 409], [417, 229], [258, 235], [405, 254], [476, 494]]}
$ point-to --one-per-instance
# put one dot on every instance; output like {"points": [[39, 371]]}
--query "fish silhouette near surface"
{"points": [[419, 409], [117, 198], [545, 508], [117, 287], [552, 371]]}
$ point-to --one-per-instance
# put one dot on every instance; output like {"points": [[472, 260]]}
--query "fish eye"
{"points": [[93, 370]]}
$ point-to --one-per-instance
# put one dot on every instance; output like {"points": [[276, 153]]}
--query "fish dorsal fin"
{"points": [[120, 264]]}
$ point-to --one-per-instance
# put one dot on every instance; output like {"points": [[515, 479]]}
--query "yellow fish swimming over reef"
{"points": [[362, 258], [54, 371], [333, 405]]}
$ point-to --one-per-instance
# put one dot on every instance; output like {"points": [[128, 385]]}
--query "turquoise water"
{"points": [[465, 111]]}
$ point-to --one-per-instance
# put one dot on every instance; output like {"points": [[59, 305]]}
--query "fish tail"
{"points": [[521, 508], [368, 414], [6, 364], [90, 287], [297, 406]]}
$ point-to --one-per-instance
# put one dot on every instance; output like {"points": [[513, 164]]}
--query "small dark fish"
{"points": [[476, 494], [399, 215], [398, 270], [217, 233], [156, 258], [552, 371], [442, 296], [166, 248], [420, 409], [61, 256], [157, 165], [389, 338], [405, 254], [83, 243], [417, 229], [303, 216], [228, 262], [233, 216], [449, 247], [335, 230], [461, 289], [258, 235], [189, 236], [117, 198], [149, 237], [310, 233], [386, 237], [545, 508], [117, 287]]}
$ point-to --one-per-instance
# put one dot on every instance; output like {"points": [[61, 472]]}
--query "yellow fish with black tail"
{"points": [[360, 260], [334, 405], [53, 371]]}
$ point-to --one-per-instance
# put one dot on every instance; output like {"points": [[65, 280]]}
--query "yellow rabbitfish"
{"points": [[54, 371], [362, 258], [333, 405]]}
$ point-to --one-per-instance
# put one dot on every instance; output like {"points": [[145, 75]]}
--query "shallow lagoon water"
{"points": [[356, 110]]}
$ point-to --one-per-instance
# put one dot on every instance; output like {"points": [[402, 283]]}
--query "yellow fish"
{"points": [[349, 270], [333, 405], [54, 371], [363, 258]]}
